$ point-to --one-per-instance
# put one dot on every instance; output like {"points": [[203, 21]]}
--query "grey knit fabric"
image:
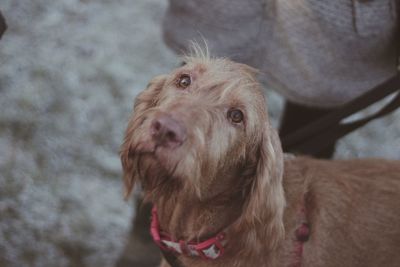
{"points": [[315, 52]]}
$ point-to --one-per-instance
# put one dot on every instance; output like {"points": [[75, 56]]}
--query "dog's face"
{"points": [[201, 129]]}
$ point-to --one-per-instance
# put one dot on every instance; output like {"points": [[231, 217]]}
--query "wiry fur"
{"points": [[230, 177]]}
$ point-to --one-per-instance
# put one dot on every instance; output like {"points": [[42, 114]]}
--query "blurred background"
{"points": [[69, 71]]}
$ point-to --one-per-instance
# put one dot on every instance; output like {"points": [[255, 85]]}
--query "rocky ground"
{"points": [[69, 71]]}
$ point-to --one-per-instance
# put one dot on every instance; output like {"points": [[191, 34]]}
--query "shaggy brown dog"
{"points": [[201, 145]]}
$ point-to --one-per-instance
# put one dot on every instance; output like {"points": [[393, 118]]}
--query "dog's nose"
{"points": [[167, 132]]}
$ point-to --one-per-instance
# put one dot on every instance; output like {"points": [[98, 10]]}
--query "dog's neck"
{"points": [[184, 217], [187, 218]]}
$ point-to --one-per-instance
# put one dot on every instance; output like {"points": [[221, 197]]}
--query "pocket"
{"points": [[363, 18], [374, 17]]}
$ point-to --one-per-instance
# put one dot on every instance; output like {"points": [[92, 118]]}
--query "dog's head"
{"points": [[203, 130]]}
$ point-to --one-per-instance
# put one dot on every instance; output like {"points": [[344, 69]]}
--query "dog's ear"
{"points": [[145, 100], [266, 201]]}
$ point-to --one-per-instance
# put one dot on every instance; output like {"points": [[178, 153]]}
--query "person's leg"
{"points": [[3, 25], [296, 116]]}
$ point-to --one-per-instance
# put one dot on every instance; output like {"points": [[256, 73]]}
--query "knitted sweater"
{"points": [[315, 52]]}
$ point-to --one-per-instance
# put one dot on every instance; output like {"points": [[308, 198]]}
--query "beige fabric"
{"points": [[315, 52]]}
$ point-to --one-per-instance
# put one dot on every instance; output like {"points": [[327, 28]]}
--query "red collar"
{"points": [[211, 249]]}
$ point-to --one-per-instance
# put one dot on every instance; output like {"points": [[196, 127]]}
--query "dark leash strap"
{"points": [[323, 132]]}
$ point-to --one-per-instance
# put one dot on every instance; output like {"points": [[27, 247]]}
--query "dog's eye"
{"points": [[184, 81], [235, 115]]}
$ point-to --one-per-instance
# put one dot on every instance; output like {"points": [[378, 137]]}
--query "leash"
{"points": [[323, 132]]}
